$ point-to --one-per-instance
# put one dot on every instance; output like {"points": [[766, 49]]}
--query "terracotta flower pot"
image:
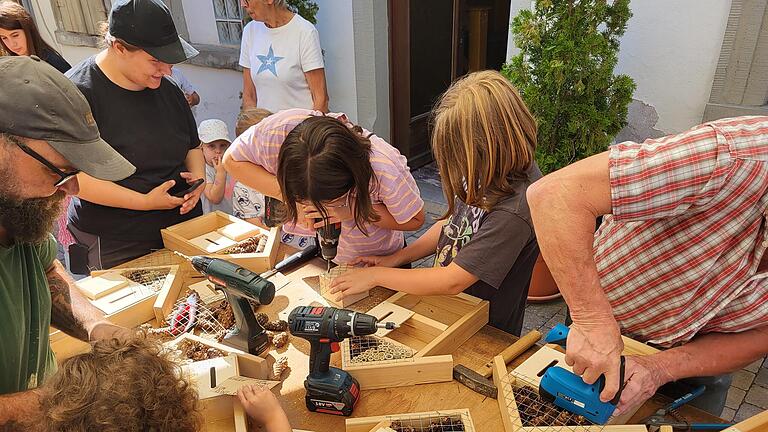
{"points": [[543, 287]]}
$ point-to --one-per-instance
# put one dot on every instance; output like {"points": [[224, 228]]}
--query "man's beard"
{"points": [[30, 220]]}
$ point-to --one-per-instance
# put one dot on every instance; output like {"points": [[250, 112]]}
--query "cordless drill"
{"points": [[330, 390], [328, 237], [239, 285]]}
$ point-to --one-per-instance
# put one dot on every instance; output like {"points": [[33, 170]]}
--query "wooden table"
{"points": [[450, 395]]}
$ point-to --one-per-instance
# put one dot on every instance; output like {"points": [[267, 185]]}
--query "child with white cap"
{"points": [[214, 141]]}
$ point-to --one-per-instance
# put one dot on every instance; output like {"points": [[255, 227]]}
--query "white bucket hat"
{"points": [[213, 130]]}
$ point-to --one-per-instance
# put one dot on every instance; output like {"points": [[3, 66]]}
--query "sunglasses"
{"points": [[63, 176]]}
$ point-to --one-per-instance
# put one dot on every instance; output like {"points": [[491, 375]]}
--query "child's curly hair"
{"points": [[120, 386]]}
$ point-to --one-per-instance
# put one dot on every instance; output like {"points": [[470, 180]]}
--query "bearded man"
{"points": [[47, 136]]}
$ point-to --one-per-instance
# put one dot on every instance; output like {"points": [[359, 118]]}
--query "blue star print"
{"points": [[268, 62]]}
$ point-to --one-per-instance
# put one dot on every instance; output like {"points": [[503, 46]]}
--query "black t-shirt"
{"points": [[54, 59], [498, 247], [154, 130]]}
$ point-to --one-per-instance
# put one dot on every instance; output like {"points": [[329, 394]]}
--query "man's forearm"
{"points": [[714, 354], [21, 408], [71, 312], [564, 213]]}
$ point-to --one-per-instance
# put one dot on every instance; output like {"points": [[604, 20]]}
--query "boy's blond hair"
{"points": [[249, 117], [120, 386], [483, 138]]}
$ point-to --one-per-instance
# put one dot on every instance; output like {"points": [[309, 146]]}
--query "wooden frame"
{"points": [[506, 383], [431, 327], [143, 310], [180, 238], [758, 423], [225, 413], [379, 423]]}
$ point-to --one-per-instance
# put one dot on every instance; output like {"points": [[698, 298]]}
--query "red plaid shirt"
{"points": [[680, 253]]}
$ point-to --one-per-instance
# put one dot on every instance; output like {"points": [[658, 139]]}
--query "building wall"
{"points": [[671, 50]]}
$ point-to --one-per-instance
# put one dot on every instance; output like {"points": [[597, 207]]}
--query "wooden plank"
{"points": [[459, 332], [367, 424], [506, 397], [389, 312], [758, 423], [744, 45], [418, 370], [633, 347], [168, 294], [212, 242], [239, 231], [95, 287]]}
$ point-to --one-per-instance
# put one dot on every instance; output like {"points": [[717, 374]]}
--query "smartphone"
{"points": [[191, 187]]}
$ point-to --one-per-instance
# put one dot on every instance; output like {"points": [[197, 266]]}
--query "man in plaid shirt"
{"points": [[679, 261]]}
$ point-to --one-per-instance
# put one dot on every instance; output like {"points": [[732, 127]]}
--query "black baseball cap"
{"points": [[148, 25], [40, 103]]}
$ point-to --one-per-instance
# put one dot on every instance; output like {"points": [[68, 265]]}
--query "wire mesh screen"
{"points": [[433, 422], [149, 278], [371, 349], [527, 409]]}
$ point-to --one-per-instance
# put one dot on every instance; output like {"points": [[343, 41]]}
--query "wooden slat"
{"points": [[741, 57]]}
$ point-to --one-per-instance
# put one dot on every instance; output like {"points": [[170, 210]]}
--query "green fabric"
{"points": [[26, 359]]}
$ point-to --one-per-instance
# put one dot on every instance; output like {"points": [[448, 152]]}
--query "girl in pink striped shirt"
{"points": [[323, 167]]}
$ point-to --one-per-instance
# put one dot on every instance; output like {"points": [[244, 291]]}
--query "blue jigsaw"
{"points": [[568, 391]]}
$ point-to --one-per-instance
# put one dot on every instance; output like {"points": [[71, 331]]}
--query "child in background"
{"points": [[484, 141], [214, 141], [133, 386]]}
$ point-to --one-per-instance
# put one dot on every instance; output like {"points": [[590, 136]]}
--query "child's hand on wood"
{"points": [[354, 281], [263, 407], [381, 261]]}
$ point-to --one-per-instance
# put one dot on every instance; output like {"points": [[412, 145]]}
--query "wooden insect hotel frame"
{"points": [[126, 301], [215, 232], [418, 352], [431, 421], [225, 413], [511, 388]]}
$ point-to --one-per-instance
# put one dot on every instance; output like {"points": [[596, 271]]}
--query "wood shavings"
{"points": [[255, 244], [280, 366]]}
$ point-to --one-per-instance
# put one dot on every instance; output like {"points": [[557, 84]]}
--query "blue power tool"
{"points": [[568, 391]]}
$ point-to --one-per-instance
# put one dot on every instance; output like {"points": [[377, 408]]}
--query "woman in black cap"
{"points": [[146, 118]]}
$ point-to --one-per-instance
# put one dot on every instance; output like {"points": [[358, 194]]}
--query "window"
{"points": [[229, 21]]}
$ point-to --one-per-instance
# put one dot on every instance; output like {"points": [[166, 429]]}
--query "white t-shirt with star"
{"points": [[278, 58]]}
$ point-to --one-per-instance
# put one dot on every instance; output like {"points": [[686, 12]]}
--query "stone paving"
{"points": [[749, 392]]}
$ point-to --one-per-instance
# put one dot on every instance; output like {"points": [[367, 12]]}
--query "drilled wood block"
{"points": [[325, 288], [99, 286]]}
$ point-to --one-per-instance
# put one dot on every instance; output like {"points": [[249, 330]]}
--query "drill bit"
{"points": [[183, 256], [328, 262], [387, 325]]}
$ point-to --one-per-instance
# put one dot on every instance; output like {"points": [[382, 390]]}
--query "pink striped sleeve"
{"points": [[397, 189], [260, 144]]}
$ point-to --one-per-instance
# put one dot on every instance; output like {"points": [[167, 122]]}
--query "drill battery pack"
{"points": [[335, 394]]}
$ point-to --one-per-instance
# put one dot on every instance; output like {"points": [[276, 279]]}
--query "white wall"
{"points": [[671, 50], [334, 23]]}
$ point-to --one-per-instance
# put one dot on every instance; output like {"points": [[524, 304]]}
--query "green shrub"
{"points": [[564, 72], [306, 8]]}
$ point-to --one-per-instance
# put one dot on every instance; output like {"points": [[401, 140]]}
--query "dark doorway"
{"points": [[432, 42]]}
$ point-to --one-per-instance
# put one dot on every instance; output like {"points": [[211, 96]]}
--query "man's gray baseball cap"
{"points": [[39, 102]]}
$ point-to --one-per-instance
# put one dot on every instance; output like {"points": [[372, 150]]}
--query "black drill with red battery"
{"points": [[330, 390]]}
